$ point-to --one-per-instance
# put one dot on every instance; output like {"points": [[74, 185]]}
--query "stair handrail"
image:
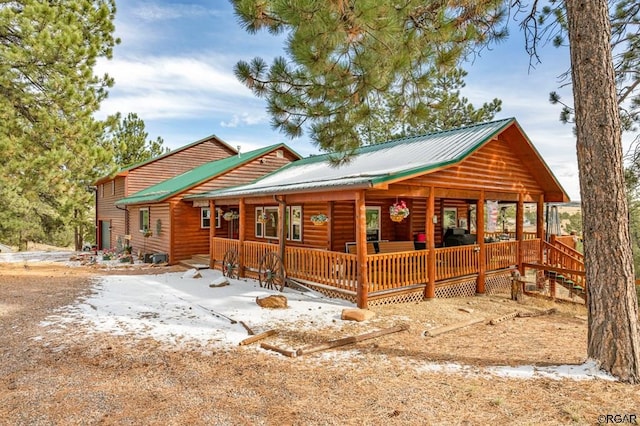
{"points": [[562, 258], [567, 248]]}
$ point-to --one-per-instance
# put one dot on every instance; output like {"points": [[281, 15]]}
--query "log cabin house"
{"points": [[451, 183], [112, 222], [165, 225]]}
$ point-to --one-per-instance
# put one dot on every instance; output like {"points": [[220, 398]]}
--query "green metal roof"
{"points": [[193, 177], [373, 164]]}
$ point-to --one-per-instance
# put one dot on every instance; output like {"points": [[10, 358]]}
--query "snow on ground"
{"points": [[182, 311], [36, 256]]}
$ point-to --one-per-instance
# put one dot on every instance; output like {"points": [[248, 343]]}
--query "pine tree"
{"points": [[48, 94], [129, 141], [359, 70]]}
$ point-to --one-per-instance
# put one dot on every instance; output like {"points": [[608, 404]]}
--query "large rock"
{"points": [[219, 282], [192, 273], [272, 302], [357, 314]]}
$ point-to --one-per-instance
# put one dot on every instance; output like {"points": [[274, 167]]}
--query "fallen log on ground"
{"points": [[537, 313], [351, 339], [503, 318], [287, 352], [447, 328], [257, 337]]}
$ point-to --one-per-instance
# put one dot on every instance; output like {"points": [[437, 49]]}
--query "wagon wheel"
{"points": [[271, 273], [230, 264]]}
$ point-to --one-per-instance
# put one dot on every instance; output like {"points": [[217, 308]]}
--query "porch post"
{"points": [[212, 230], [430, 288], [282, 205], [540, 227], [480, 283], [362, 292], [520, 231], [241, 231]]}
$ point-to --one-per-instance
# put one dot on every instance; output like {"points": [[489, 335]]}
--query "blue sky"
{"points": [[174, 68]]}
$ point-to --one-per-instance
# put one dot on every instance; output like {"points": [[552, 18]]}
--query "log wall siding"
{"points": [[246, 173], [173, 165], [343, 225], [189, 237], [156, 243], [108, 193], [493, 167]]}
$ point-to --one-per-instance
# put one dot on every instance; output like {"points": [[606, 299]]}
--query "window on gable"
{"points": [[113, 187]]}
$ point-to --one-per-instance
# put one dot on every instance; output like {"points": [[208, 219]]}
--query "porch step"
{"points": [[196, 262]]}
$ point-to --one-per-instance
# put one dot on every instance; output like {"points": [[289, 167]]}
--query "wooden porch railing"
{"points": [[512, 235], [386, 271], [531, 251], [331, 268], [396, 270], [452, 262], [254, 251], [219, 246], [501, 255]]}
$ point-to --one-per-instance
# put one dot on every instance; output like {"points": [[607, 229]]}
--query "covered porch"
{"points": [[336, 229], [408, 260]]}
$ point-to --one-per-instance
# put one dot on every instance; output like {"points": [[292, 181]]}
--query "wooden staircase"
{"points": [[197, 261], [571, 286], [563, 267]]}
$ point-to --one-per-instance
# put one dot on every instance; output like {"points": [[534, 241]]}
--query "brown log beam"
{"points": [[257, 337], [351, 339], [502, 318], [447, 328], [286, 352]]}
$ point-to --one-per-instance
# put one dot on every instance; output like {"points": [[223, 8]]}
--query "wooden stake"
{"points": [[286, 352], [503, 318], [441, 330], [257, 337], [246, 327], [351, 339]]}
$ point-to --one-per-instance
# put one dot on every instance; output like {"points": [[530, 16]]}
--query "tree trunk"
{"points": [[614, 335]]}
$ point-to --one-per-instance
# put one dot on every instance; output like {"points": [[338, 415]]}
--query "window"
{"points": [[294, 219], [218, 217], [113, 187], [373, 223], [449, 217], [144, 219], [205, 217], [102, 190], [269, 229]]}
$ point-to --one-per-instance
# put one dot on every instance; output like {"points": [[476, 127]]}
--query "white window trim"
{"points": [[444, 215], [379, 209], [202, 217], [259, 229], [140, 224], [113, 187]]}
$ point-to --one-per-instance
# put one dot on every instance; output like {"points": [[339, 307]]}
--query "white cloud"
{"points": [[173, 87], [153, 12], [244, 118]]}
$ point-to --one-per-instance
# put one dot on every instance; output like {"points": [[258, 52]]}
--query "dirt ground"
{"points": [[83, 378]]}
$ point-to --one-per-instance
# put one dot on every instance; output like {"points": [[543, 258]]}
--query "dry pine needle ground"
{"points": [[83, 378]]}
